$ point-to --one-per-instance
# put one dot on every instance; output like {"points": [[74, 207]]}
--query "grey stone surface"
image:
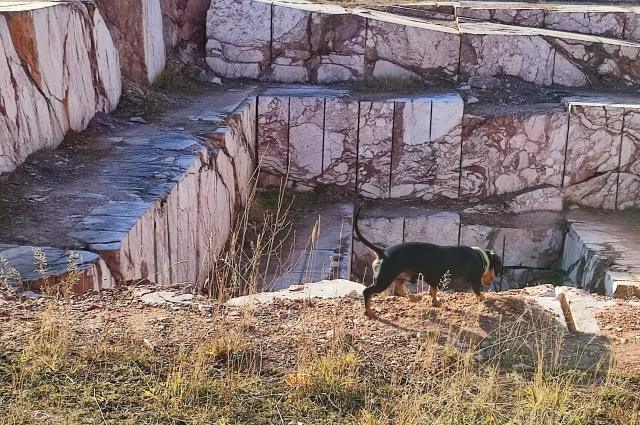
{"points": [[322, 289], [40, 267]]}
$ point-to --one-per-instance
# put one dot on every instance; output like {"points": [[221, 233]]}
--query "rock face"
{"points": [[375, 133], [532, 241], [58, 67], [426, 147], [183, 21], [177, 237], [402, 148], [136, 28], [398, 47]]}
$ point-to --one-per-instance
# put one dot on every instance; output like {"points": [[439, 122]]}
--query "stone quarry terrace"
{"points": [[157, 201]]}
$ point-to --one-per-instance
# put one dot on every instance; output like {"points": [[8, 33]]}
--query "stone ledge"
{"points": [[598, 256], [57, 265], [154, 204]]}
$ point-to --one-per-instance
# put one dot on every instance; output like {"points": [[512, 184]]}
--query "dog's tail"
{"points": [[378, 251]]}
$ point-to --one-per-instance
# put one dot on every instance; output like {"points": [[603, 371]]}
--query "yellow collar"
{"points": [[485, 257]]}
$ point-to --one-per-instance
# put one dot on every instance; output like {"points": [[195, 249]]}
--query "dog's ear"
{"points": [[496, 263]]}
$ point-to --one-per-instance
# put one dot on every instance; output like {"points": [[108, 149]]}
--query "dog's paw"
{"points": [[415, 298], [436, 303]]}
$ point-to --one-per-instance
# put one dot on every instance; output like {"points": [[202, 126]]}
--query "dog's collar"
{"points": [[485, 257]]}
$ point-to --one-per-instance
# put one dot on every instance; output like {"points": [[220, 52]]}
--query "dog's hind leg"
{"points": [[398, 287], [400, 291]]}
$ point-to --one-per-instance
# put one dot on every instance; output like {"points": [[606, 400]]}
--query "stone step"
{"points": [[153, 202], [326, 43], [432, 145], [603, 256]]}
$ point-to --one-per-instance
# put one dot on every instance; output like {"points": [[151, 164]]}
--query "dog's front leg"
{"points": [[433, 292]]}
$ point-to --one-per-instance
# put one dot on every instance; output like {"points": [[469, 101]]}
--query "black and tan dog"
{"points": [[435, 264]]}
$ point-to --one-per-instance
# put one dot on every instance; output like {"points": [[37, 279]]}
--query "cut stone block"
{"points": [[492, 49], [544, 56], [337, 47], [606, 21], [519, 14], [239, 37], [426, 147], [441, 229], [531, 240], [340, 143], [306, 138], [594, 140], [58, 67], [402, 47], [155, 205], [512, 152], [239, 143], [628, 193], [545, 199], [597, 192], [374, 148], [273, 134], [632, 24], [622, 285], [136, 28], [588, 253]]}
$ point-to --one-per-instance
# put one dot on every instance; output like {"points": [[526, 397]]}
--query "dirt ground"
{"points": [[282, 325]]}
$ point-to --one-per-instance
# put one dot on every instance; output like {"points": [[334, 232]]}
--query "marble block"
{"points": [[509, 153], [374, 149]]}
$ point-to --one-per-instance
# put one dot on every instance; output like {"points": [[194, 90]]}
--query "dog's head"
{"points": [[495, 268], [495, 262]]}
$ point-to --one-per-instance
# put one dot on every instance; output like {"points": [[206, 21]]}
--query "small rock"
{"points": [[573, 207], [138, 120], [485, 82], [31, 295], [522, 367], [465, 87], [216, 80], [461, 344], [472, 99]]}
